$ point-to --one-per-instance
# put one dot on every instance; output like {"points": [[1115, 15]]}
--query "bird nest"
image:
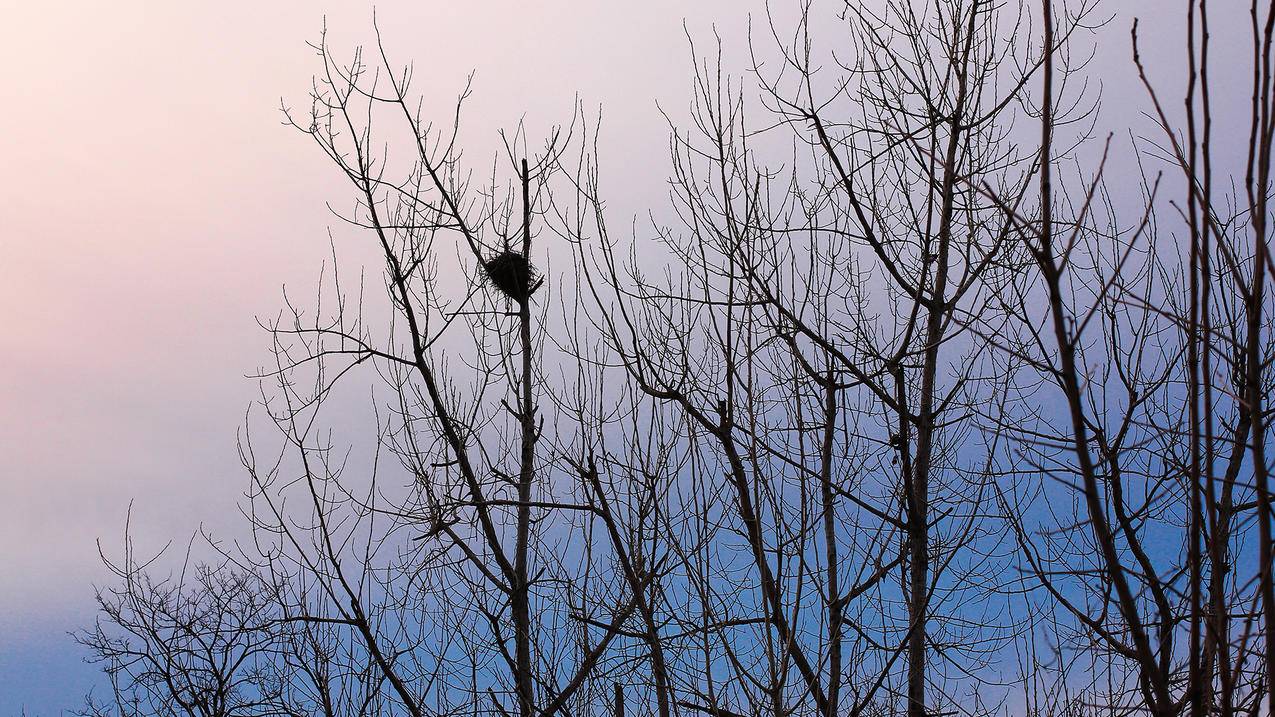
{"points": [[512, 275]]}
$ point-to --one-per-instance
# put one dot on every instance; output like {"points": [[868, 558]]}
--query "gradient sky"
{"points": [[151, 204]]}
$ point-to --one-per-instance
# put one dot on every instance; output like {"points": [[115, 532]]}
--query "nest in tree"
{"points": [[512, 274]]}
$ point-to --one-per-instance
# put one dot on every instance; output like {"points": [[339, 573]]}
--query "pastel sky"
{"points": [[151, 204]]}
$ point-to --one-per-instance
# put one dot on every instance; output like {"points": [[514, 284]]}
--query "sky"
{"points": [[152, 204]]}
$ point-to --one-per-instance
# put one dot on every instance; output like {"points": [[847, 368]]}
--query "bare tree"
{"points": [[1159, 357], [899, 406], [488, 597], [198, 643], [820, 346]]}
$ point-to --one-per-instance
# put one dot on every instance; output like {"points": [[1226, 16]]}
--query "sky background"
{"points": [[152, 203]]}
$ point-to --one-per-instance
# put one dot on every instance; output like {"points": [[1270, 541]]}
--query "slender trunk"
{"points": [[1197, 675], [827, 497], [1217, 516], [1259, 192], [1154, 686], [520, 597], [918, 489], [1255, 358]]}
